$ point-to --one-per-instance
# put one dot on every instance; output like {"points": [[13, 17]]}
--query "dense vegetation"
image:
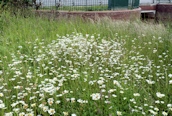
{"points": [[75, 67]]}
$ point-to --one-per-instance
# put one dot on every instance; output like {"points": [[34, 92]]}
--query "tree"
{"points": [[20, 3]]}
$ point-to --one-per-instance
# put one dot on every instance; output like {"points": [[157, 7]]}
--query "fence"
{"points": [[116, 4], [88, 5], [85, 5], [164, 1], [154, 1]]}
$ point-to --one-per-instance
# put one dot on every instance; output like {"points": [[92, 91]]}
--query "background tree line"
{"points": [[20, 4]]}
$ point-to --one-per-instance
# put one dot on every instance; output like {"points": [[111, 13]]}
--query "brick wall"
{"points": [[114, 15], [164, 12]]}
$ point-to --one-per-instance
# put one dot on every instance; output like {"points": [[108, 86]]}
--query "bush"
{"points": [[20, 4]]}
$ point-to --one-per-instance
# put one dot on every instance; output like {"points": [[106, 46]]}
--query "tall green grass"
{"points": [[79, 67], [18, 30]]}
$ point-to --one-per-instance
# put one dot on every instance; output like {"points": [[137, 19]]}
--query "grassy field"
{"points": [[84, 68]]}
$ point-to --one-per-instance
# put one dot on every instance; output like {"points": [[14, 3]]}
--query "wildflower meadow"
{"points": [[84, 68]]}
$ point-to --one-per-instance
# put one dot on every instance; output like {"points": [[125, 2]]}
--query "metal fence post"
{"points": [[109, 4], [129, 4], [133, 4], [86, 5], [55, 4]]}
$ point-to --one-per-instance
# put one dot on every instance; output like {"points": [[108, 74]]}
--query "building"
{"points": [[156, 9]]}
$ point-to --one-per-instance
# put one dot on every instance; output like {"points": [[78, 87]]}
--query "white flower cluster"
{"points": [[78, 70], [160, 95], [95, 96]]}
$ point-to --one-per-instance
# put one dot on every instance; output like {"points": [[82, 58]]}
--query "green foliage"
{"points": [[4, 1], [83, 8]]}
